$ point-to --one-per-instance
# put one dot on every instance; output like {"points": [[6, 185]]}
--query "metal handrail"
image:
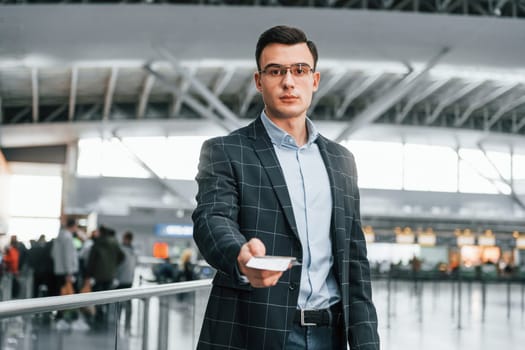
{"points": [[47, 304]]}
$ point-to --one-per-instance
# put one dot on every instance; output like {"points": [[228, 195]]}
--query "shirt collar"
{"points": [[281, 138]]}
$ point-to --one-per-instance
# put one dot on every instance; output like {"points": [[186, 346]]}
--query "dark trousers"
{"points": [[125, 307], [102, 311]]}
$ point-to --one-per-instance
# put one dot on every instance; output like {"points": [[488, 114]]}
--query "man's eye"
{"points": [[274, 71], [299, 71]]}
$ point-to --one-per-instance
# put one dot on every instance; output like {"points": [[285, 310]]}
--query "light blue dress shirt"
{"points": [[309, 188]]}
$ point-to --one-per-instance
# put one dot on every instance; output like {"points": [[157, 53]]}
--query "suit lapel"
{"points": [[266, 153]]}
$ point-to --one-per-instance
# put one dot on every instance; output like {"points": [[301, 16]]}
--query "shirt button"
{"points": [[292, 286]]}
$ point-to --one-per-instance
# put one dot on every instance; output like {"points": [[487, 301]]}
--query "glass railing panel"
{"points": [[173, 321], [166, 322], [147, 318]]}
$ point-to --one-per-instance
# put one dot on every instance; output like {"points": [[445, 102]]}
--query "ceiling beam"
{"points": [[451, 98], [517, 126], [481, 102], [354, 91], [401, 4], [149, 81], [201, 89], [73, 87], [335, 77], [380, 106], [498, 6], [34, 91], [184, 88], [443, 5], [418, 97], [53, 115], [192, 102], [507, 107], [249, 94], [223, 80], [110, 92], [90, 112], [20, 115]]}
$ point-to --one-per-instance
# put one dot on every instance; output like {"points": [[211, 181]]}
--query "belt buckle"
{"points": [[306, 324]]}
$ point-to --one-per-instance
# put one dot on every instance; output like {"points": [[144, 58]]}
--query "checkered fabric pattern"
{"points": [[242, 194]]}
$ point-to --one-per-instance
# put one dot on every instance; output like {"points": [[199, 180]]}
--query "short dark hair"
{"points": [[128, 235], [106, 231], [283, 35], [71, 222]]}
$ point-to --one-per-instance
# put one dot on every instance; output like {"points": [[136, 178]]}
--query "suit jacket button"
{"points": [[292, 286]]}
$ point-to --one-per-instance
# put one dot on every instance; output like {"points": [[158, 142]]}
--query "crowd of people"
{"points": [[74, 263]]}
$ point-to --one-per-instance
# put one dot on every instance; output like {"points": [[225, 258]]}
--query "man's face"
{"points": [[286, 96]]}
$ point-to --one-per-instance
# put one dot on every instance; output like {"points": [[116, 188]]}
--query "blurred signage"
{"points": [[174, 230], [487, 240], [369, 234], [405, 238], [426, 239], [466, 240], [520, 242], [160, 250]]}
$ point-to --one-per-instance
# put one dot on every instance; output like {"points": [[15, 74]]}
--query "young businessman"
{"points": [[278, 187]]}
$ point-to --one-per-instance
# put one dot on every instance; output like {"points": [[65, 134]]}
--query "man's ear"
{"points": [[257, 80], [317, 78]]}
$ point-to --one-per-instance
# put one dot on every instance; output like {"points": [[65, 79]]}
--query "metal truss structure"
{"points": [[495, 8], [225, 94]]}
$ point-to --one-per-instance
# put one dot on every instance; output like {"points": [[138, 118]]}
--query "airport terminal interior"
{"points": [[104, 107]]}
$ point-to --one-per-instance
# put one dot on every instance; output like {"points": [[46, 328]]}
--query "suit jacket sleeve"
{"points": [[363, 318], [216, 230]]}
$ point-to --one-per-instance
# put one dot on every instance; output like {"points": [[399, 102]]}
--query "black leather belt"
{"points": [[318, 318]]}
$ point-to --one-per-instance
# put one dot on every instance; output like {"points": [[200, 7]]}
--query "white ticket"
{"points": [[273, 263]]}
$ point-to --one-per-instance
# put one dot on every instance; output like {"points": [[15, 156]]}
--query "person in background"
{"points": [[65, 267], [84, 252], [186, 264], [126, 273], [166, 272], [278, 187], [104, 257], [64, 254], [41, 262], [11, 262]]}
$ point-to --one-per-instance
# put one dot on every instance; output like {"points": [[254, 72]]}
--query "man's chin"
{"points": [[288, 112]]}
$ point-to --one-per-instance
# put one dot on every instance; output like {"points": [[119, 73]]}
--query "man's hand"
{"points": [[258, 278]]}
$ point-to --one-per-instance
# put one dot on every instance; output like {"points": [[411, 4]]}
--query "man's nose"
{"points": [[288, 79]]}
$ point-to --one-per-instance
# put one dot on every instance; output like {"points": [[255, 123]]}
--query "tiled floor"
{"points": [[418, 318], [428, 318]]}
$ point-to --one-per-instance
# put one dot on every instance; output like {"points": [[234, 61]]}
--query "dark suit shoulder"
{"points": [[335, 148], [235, 137]]}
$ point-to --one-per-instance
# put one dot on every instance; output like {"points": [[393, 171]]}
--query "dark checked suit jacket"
{"points": [[242, 194]]}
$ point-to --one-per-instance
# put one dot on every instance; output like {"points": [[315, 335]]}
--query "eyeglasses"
{"points": [[298, 70]]}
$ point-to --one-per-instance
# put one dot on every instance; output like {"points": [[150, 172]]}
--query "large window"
{"points": [[168, 157], [34, 202], [107, 158], [430, 168], [416, 167], [381, 165], [518, 167], [480, 173]]}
